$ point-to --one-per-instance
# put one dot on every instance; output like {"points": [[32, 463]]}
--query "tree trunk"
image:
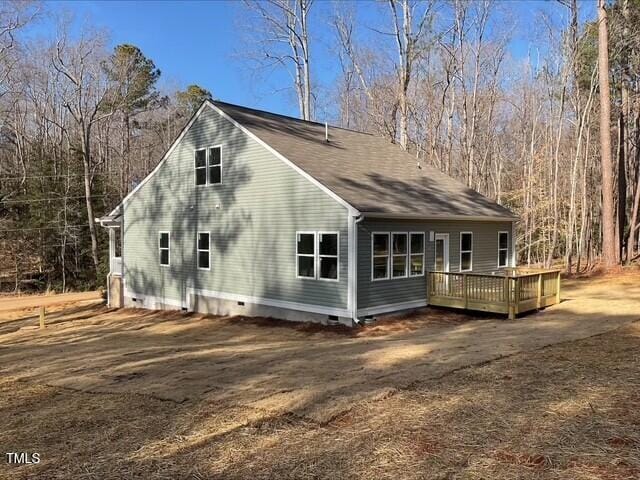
{"points": [[631, 243], [608, 221], [306, 71], [86, 163], [622, 186]]}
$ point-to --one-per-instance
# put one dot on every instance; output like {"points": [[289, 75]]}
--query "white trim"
{"points": [[198, 250], [411, 254], [445, 254], [109, 289], [394, 255], [168, 249], [474, 218], [313, 255], [514, 254], [352, 210], [352, 267], [391, 307], [388, 234], [507, 249], [304, 307], [185, 129], [337, 256], [351, 281], [470, 269]]}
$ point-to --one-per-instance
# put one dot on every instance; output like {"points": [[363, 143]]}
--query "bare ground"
{"points": [[135, 394]]}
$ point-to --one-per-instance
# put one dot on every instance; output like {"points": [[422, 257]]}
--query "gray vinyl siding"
{"points": [[252, 216], [385, 292]]}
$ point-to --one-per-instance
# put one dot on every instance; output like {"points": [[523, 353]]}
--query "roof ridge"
{"points": [[289, 117]]}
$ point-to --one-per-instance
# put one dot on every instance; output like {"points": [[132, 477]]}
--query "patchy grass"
{"points": [[569, 411], [389, 408]]}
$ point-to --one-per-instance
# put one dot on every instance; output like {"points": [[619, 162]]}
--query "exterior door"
{"points": [[442, 252]]}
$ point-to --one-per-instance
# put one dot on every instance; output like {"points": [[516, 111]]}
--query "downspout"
{"points": [[514, 251], [354, 220]]}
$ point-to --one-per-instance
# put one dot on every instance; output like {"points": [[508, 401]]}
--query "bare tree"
{"points": [[84, 90], [283, 29], [410, 43]]}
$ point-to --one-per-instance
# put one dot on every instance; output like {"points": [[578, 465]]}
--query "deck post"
{"points": [[558, 287], [539, 302], [514, 297], [42, 316], [465, 294]]}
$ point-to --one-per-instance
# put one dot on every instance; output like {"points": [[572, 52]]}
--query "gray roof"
{"points": [[370, 173]]}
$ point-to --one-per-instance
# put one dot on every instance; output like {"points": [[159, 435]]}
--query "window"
{"points": [[317, 255], [503, 249], [201, 167], [203, 247], [416, 254], [208, 165], [164, 244], [215, 165], [328, 256], [306, 254], [380, 256], [399, 255], [466, 251]]}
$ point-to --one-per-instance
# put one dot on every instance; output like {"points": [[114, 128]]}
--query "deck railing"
{"points": [[510, 292]]}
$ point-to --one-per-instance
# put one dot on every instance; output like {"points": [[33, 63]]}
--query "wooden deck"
{"points": [[510, 292]]}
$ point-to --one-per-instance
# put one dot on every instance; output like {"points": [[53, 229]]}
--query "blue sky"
{"points": [[198, 42]]}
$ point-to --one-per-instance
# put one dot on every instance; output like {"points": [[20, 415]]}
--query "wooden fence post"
{"points": [[558, 288], [42, 316]]}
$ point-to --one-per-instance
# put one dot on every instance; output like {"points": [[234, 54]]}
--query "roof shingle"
{"points": [[370, 173]]}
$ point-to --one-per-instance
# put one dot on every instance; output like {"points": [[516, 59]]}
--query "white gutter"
{"points": [[353, 266], [439, 217]]}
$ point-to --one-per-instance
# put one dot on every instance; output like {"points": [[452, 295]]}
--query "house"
{"points": [[254, 213]]}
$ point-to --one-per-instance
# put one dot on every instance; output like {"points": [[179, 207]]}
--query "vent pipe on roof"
{"points": [[326, 132]]}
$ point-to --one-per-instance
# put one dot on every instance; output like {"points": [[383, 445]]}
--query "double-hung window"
{"points": [[399, 255], [317, 255], [203, 248], [306, 255], [380, 256], [328, 256], [164, 245], [416, 254], [466, 251], [503, 249], [208, 166]]}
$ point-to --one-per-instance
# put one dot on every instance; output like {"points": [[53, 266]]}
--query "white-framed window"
{"points": [[466, 251], [164, 248], [328, 255], [306, 254], [503, 249], [208, 165], [318, 255], [379, 256], [399, 250], [416, 254], [203, 250]]}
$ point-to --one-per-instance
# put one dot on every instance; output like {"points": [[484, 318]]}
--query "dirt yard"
{"points": [[136, 394]]}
